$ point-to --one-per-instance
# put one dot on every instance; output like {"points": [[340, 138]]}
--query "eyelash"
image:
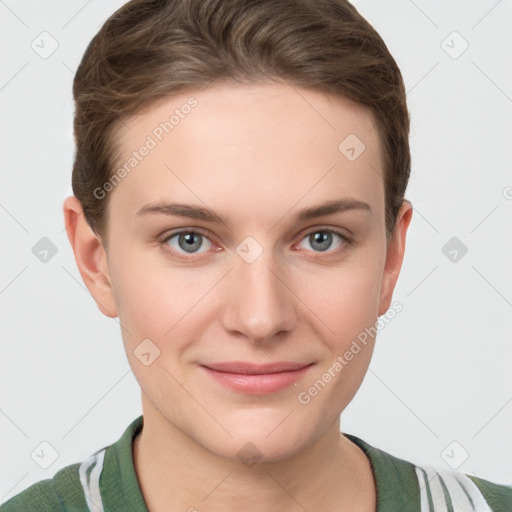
{"points": [[346, 241]]}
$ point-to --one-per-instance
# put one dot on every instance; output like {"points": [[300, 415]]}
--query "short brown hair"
{"points": [[150, 49]]}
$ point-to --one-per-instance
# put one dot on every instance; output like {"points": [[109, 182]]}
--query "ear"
{"points": [[90, 256], [394, 256]]}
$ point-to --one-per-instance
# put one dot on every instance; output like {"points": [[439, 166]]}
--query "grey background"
{"points": [[441, 369]]}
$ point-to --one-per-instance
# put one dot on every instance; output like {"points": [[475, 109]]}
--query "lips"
{"points": [[253, 379], [255, 369]]}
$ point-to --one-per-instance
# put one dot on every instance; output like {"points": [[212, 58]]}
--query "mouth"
{"points": [[255, 379]]}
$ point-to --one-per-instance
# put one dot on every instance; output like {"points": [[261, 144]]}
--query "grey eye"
{"points": [[322, 239], [188, 241]]}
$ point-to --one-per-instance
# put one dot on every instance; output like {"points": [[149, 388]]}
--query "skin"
{"points": [[255, 154]]}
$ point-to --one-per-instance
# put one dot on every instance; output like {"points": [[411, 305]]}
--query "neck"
{"points": [[175, 472]]}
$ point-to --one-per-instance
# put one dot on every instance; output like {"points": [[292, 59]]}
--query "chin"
{"points": [[260, 443], [252, 451]]}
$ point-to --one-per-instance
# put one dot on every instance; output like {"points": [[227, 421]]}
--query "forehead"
{"points": [[248, 143]]}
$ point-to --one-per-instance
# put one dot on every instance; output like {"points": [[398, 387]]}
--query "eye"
{"points": [[322, 239], [187, 242]]}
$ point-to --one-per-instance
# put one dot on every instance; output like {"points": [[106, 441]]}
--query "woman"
{"points": [[217, 143]]}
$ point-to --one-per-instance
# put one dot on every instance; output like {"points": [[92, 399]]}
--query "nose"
{"points": [[259, 301]]}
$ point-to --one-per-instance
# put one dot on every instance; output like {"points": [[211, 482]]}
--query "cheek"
{"points": [[151, 304], [348, 307], [151, 295], [346, 298], [149, 301], [164, 304]]}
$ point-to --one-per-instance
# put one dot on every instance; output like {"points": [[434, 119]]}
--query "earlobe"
{"points": [[90, 256], [394, 256]]}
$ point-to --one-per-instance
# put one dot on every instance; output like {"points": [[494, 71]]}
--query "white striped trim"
{"points": [[465, 495], [436, 489], [91, 481], [423, 483]]}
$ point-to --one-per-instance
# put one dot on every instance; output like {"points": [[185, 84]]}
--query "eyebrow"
{"points": [[199, 213]]}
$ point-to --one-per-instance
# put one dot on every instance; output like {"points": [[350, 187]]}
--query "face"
{"points": [[248, 268]]}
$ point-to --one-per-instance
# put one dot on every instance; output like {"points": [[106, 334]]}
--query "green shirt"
{"points": [[401, 485]]}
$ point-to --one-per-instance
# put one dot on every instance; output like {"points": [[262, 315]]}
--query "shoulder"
{"points": [[498, 496], [65, 492], [106, 480], [40, 496], [461, 491], [423, 488]]}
